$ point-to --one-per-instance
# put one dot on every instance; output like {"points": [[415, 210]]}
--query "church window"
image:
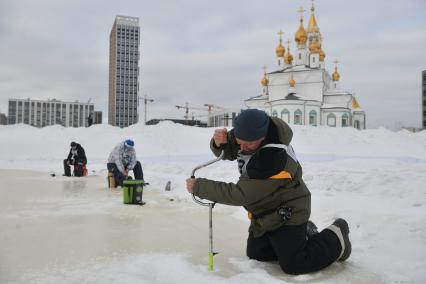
{"points": [[300, 56], [331, 119], [313, 118], [298, 117], [345, 120], [274, 113], [285, 115]]}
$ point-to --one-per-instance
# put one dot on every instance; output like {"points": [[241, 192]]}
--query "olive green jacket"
{"points": [[261, 196]]}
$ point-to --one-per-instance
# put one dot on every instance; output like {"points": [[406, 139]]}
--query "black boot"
{"points": [[342, 228], [67, 168]]}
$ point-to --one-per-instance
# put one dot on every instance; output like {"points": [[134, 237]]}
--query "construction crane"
{"points": [[221, 113], [146, 100], [211, 106], [187, 108]]}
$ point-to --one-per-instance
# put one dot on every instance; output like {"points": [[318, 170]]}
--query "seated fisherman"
{"points": [[122, 160], [76, 158]]}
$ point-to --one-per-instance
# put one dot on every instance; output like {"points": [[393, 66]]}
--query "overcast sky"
{"points": [[201, 51]]}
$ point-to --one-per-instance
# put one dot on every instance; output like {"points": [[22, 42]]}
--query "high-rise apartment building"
{"points": [[424, 99], [43, 113], [97, 117], [124, 72]]}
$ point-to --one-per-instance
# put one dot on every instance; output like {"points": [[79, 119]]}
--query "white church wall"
{"points": [[268, 109], [301, 55], [328, 83], [309, 84], [314, 61], [338, 99], [276, 92], [310, 91]]}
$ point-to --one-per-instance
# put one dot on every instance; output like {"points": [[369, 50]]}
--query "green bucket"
{"points": [[132, 191]]}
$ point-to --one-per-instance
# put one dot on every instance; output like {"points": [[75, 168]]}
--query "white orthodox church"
{"points": [[301, 91]]}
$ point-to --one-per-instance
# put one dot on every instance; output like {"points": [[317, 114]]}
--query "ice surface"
{"points": [[76, 230]]}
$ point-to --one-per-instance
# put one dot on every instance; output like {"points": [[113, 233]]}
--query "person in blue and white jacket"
{"points": [[122, 160]]}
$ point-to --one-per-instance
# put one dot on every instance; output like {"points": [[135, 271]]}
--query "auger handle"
{"points": [[202, 166]]}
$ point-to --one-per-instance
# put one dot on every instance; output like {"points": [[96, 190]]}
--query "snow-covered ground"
{"points": [[76, 230]]}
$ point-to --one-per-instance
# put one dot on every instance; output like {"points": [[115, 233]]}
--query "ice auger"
{"points": [[210, 205]]}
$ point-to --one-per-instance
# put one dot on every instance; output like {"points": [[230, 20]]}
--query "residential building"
{"points": [[97, 117], [42, 113], [222, 117], [124, 72]]}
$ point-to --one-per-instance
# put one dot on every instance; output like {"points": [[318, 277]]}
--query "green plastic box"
{"points": [[133, 191]]}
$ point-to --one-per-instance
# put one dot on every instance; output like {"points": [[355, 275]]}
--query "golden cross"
{"points": [[313, 7], [336, 62], [280, 34], [288, 43]]}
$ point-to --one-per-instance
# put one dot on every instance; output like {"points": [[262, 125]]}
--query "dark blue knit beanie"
{"points": [[251, 125], [129, 143]]}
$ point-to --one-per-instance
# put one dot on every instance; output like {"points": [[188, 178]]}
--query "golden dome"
{"points": [[264, 80], [355, 103], [301, 36], [336, 75], [288, 58], [291, 82], [312, 25], [280, 50], [315, 46]]}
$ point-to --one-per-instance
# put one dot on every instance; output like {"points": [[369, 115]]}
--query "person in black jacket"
{"points": [[90, 120], [76, 158]]}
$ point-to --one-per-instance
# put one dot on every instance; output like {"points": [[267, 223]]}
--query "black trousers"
{"points": [[119, 177], [67, 168], [295, 253]]}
